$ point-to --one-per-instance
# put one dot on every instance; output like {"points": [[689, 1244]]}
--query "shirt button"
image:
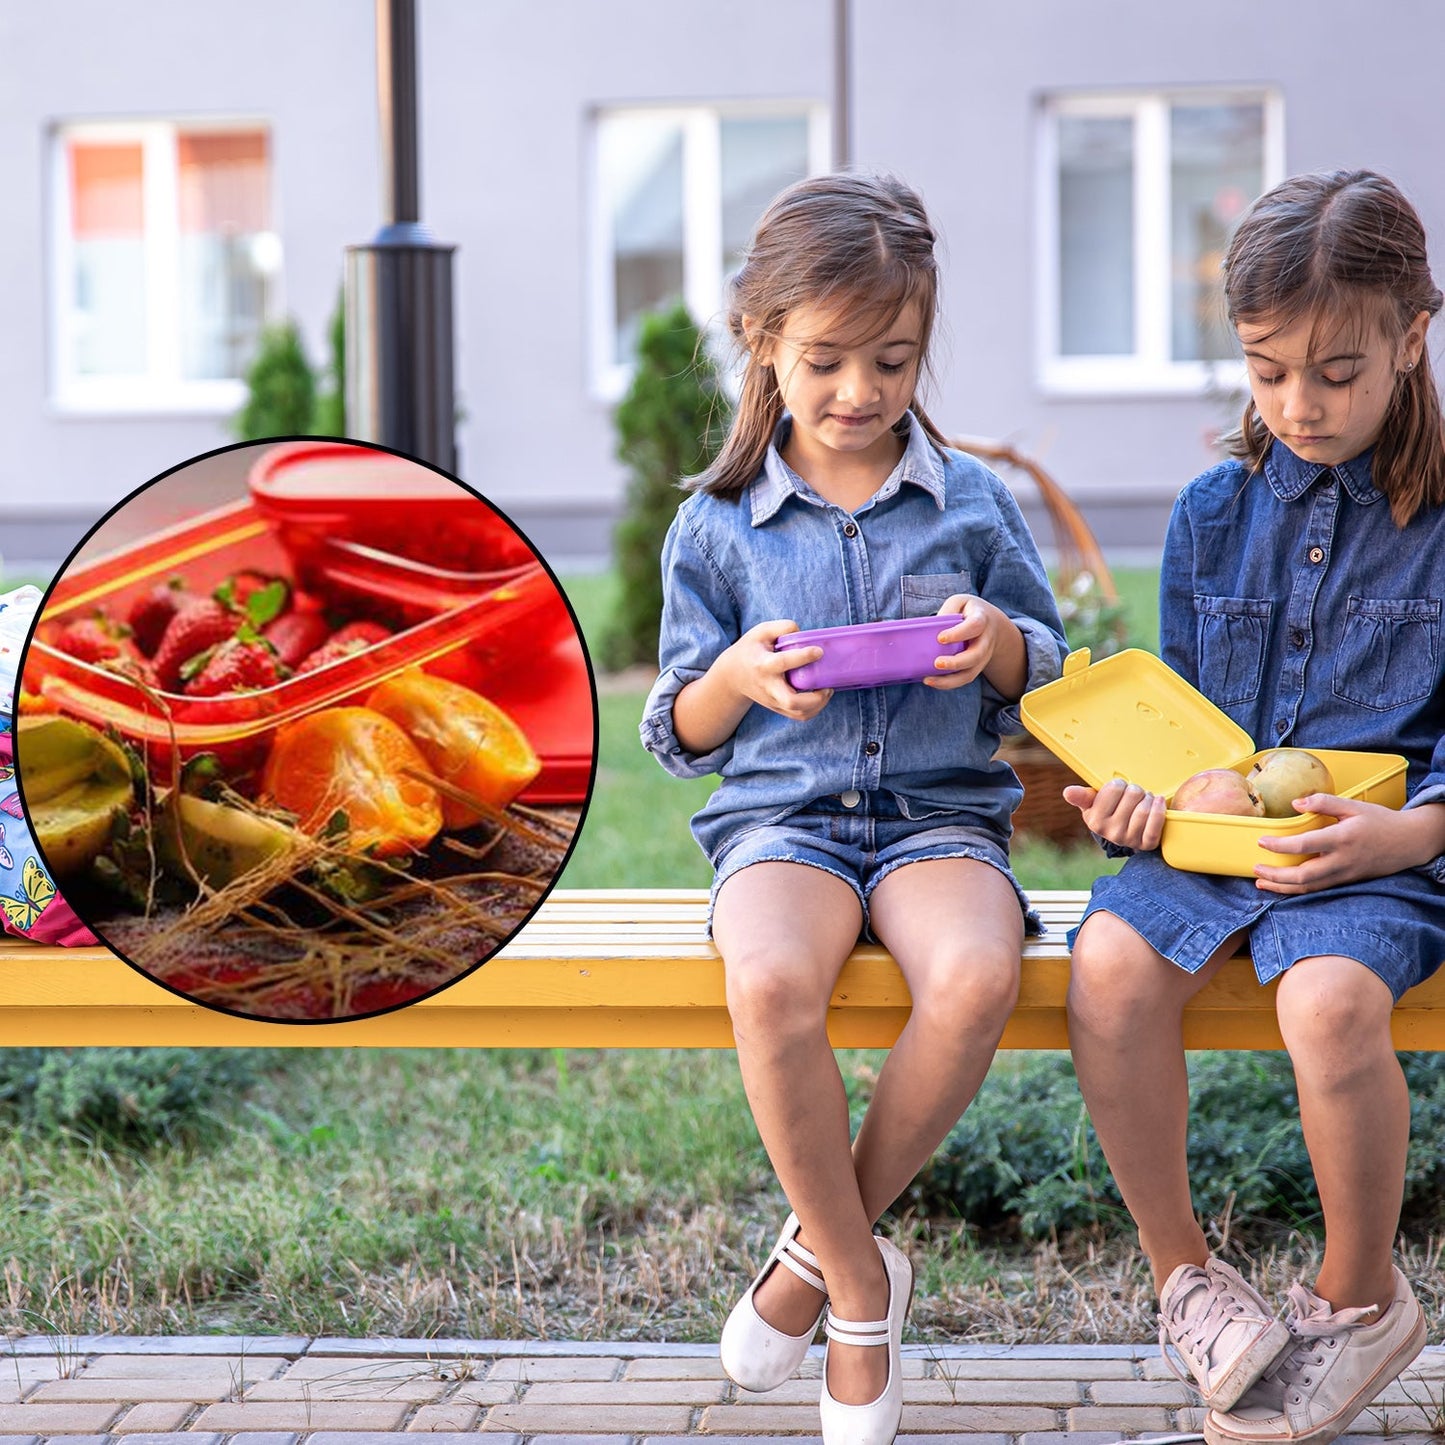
{"points": [[850, 798], [850, 529], [871, 749], [1281, 728], [1296, 638], [1317, 554]]}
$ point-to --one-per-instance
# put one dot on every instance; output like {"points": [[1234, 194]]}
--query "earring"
{"points": [[1409, 367]]}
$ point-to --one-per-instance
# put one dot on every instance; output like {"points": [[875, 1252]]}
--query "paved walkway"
{"points": [[228, 1390]]}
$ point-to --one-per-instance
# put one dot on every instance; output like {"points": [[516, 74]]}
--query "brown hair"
{"points": [[849, 239], [1345, 246]]}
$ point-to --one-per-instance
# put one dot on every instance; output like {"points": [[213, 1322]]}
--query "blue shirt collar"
{"points": [[920, 464], [1291, 478]]}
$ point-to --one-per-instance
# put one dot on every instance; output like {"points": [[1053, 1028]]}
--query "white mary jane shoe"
{"points": [[755, 1355], [877, 1422]]}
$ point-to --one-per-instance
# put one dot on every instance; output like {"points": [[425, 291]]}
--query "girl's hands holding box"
{"points": [[1121, 813], [1367, 841], [995, 648], [759, 673], [706, 713]]}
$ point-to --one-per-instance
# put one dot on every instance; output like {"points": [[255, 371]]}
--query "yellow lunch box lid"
{"points": [[1131, 716]]}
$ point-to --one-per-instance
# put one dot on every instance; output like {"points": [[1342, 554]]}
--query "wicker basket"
{"points": [[1043, 812]]}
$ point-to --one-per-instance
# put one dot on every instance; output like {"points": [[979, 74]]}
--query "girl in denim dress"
{"points": [[835, 501], [1301, 591]]}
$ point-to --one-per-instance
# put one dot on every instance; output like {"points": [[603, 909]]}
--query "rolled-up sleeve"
{"points": [[1014, 580], [699, 621]]}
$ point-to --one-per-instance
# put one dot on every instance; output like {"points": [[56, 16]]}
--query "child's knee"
{"points": [[1333, 1012], [1116, 981], [977, 992], [767, 990]]}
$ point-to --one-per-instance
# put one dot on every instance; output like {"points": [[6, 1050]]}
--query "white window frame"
{"points": [[161, 390], [702, 269], [1150, 370]]}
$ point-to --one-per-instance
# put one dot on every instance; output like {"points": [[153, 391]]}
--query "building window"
{"points": [[1138, 197], [166, 263], [676, 195]]}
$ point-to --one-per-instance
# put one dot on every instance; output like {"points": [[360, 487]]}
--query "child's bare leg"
{"points": [[784, 930], [1126, 1007], [1334, 1014], [955, 929]]}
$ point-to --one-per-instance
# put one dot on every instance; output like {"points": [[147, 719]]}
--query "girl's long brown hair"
{"points": [[851, 240], [1345, 247]]}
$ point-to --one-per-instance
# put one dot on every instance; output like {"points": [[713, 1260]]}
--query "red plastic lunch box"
{"points": [[502, 628], [871, 654]]}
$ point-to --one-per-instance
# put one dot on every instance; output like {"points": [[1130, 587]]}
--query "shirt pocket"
{"points": [[1388, 651], [1233, 632], [923, 593]]}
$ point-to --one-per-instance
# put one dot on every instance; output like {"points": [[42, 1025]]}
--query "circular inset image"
{"points": [[305, 730]]}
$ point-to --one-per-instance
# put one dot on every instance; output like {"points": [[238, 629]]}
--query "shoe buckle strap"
{"points": [[857, 1332], [802, 1263]]}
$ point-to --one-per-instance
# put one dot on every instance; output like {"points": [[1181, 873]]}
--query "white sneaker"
{"points": [[1337, 1363], [1220, 1327]]}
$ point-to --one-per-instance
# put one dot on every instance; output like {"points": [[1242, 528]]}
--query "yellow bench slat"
{"points": [[610, 968]]}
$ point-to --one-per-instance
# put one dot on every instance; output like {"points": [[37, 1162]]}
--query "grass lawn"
{"points": [[582, 1194]]}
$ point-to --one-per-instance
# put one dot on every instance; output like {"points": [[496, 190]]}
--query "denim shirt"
{"points": [[1293, 602], [941, 524]]}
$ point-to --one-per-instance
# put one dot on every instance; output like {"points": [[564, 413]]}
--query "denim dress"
{"points": [[1292, 601], [941, 524]]}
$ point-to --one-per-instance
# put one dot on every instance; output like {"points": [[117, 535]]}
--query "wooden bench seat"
{"points": [[616, 969]]}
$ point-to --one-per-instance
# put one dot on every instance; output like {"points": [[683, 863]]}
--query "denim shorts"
{"points": [[863, 843], [1394, 925]]}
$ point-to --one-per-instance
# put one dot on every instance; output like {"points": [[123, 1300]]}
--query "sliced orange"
{"points": [[467, 740], [357, 760]]}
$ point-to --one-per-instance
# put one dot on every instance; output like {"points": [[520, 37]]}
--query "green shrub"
{"points": [[129, 1096], [281, 391], [1024, 1158], [669, 425]]}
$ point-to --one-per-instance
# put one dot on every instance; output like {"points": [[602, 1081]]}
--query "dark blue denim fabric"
{"points": [[1293, 602], [941, 524]]}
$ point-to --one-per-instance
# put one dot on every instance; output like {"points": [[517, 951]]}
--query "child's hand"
{"points": [[1368, 841], [1121, 813], [760, 674], [987, 631]]}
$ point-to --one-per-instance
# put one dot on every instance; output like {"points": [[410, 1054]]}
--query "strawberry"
{"points": [[258, 595], [151, 613], [198, 626], [344, 642], [296, 635], [95, 638], [236, 666]]}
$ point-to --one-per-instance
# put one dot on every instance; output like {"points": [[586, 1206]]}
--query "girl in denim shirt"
{"points": [[1301, 591], [834, 501]]}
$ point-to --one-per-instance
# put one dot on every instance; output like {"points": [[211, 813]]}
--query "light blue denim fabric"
{"points": [[941, 524], [1291, 600]]}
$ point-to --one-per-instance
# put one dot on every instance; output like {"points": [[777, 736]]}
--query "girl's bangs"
{"points": [[1335, 310]]}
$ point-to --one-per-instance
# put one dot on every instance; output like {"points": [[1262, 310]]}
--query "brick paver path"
{"points": [[228, 1390]]}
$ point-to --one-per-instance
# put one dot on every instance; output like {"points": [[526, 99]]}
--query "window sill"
{"points": [[1132, 381], [219, 401]]}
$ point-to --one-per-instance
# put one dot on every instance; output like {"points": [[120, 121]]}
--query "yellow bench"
{"points": [[611, 968]]}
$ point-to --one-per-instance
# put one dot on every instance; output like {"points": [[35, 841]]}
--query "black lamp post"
{"points": [[399, 378]]}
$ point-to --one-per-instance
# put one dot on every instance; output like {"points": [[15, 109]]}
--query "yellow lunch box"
{"points": [[1132, 716]]}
